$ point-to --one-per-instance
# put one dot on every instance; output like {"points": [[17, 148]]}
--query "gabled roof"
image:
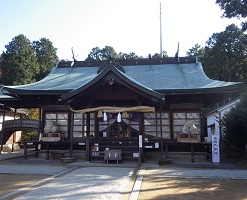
{"points": [[161, 75], [112, 73]]}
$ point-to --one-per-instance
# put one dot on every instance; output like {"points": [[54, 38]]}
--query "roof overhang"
{"points": [[214, 90]]}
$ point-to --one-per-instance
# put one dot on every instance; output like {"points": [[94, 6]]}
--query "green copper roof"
{"points": [[112, 73], [162, 77]]}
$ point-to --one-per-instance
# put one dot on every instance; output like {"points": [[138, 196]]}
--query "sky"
{"points": [[126, 25]]}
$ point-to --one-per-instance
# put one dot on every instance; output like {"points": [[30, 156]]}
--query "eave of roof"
{"points": [[224, 107], [5, 97], [222, 89], [167, 76], [125, 80]]}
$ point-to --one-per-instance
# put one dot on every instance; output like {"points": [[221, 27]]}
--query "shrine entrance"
{"points": [[117, 125]]}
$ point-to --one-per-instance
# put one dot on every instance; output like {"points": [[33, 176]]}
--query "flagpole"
{"points": [[161, 52]]}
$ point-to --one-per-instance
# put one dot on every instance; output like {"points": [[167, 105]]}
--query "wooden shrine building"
{"points": [[126, 105]]}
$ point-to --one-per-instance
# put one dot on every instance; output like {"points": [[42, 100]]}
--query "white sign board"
{"points": [[140, 141], [215, 149], [135, 155]]}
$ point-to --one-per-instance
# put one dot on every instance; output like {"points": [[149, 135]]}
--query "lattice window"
{"points": [[183, 122], [80, 125], [56, 122], [157, 123]]}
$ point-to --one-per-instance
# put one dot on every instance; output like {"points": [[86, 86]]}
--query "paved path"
{"points": [[80, 180]]}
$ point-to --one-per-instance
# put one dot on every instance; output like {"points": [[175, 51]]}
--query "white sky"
{"points": [[126, 25]]}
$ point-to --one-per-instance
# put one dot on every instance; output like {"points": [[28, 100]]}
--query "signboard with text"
{"points": [[215, 149]]}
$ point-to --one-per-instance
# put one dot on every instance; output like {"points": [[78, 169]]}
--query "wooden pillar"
{"points": [[2, 131], [171, 124], [201, 128], [25, 150], [87, 137], [162, 156], [192, 153], [166, 151], [96, 127], [141, 156], [245, 154], [36, 150], [13, 135], [208, 151], [47, 151], [40, 122], [71, 136]]}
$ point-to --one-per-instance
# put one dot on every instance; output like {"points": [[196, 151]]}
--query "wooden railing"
{"points": [[21, 124]]}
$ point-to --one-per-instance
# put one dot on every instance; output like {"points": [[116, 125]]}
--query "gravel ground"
{"points": [[84, 183], [198, 173], [26, 169], [82, 180]]}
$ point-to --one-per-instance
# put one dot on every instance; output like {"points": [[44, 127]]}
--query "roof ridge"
{"points": [[126, 62]]}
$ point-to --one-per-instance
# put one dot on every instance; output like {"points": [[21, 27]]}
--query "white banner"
{"points": [[215, 149]]}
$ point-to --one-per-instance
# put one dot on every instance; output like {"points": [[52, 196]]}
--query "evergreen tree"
{"points": [[225, 55], [157, 55], [234, 8], [95, 54], [195, 51], [103, 54], [19, 64], [46, 56], [234, 125]]}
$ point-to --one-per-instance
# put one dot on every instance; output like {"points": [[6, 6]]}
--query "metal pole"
{"points": [[161, 51]]}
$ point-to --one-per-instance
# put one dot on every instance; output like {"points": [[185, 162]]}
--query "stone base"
{"points": [[165, 161], [67, 160], [10, 147]]}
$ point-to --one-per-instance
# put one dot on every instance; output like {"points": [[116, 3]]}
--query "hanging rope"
{"points": [[110, 109]]}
